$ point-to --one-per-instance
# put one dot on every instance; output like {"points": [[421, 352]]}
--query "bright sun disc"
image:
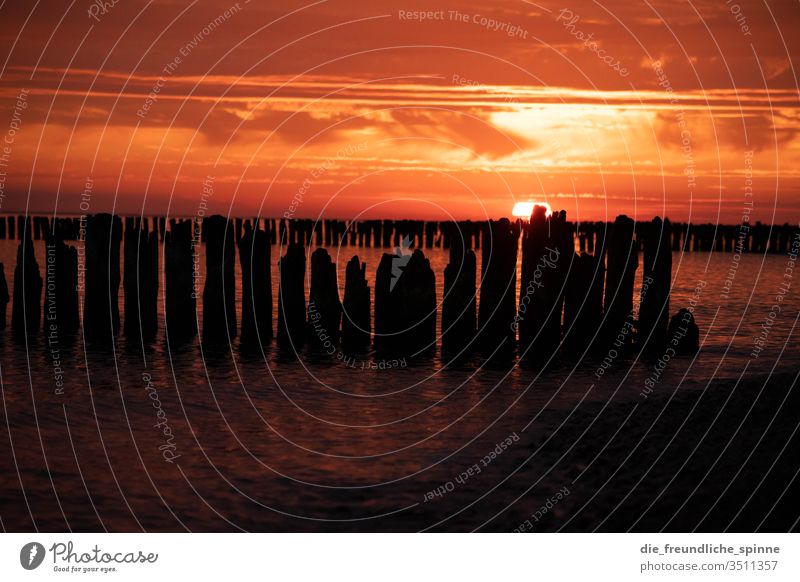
{"points": [[525, 209]]}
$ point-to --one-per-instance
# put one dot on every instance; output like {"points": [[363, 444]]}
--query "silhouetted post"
{"points": [[370, 226], [140, 280], [27, 308], [547, 247], [623, 261], [388, 227], [447, 232], [318, 233], [356, 325], [219, 293], [180, 273], [677, 230], [255, 258], [683, 333], [458, 303], [784, 238], [497, 308], [23, 227], [292, 298], [759, 233], [656, 283], [4, 297], [387, 313], [324, 307], [282, 233], [352, 229], [583, 303], [398, 232], [101, 299], [148, 306], [61, 302], [416, 292]]}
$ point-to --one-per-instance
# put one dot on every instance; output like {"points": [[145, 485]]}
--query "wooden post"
{"points": [[5, 298], [140, 280], [583, 304], [356, 325], [387, 314], [61, 307], [292, 298], [458, 304], [547, 248], [219, 293], [416, 287], [496, 330], [324, 307], [101, 299], [181, 272], [405, 304], [623, 260], [656, 284], [255, 259]]}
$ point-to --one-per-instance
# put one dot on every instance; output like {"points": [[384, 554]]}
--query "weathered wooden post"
{"points": [[387, 315], [547, 248], [140, 280], [101, 299], [623, 260], [459, 302], [356, 325], [583, 303], [292, 298], [61, 302], [498, 305], [219, 293], [4, 297], [255, 258], [324, 307], [656, 284], [405, 304], [181, 273], [416, 288]]}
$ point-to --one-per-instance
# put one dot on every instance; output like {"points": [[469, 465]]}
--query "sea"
{"points": [[189, 437]]}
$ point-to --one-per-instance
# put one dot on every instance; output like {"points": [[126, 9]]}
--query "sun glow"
{"points": [[525, 209]]}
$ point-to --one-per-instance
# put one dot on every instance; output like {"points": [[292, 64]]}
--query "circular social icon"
{"points": [[31, 555]]}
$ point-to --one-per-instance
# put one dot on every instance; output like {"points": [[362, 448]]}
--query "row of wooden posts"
{"points": [[582, 299], [680, 236]]}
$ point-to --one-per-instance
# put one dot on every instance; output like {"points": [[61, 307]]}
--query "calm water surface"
{"points": [[266, 441]]}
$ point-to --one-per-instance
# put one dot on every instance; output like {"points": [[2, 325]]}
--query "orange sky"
{"points": [[365, 109]]}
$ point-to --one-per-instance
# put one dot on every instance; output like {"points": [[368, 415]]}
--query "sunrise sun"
{"points": [[525, 209]]}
